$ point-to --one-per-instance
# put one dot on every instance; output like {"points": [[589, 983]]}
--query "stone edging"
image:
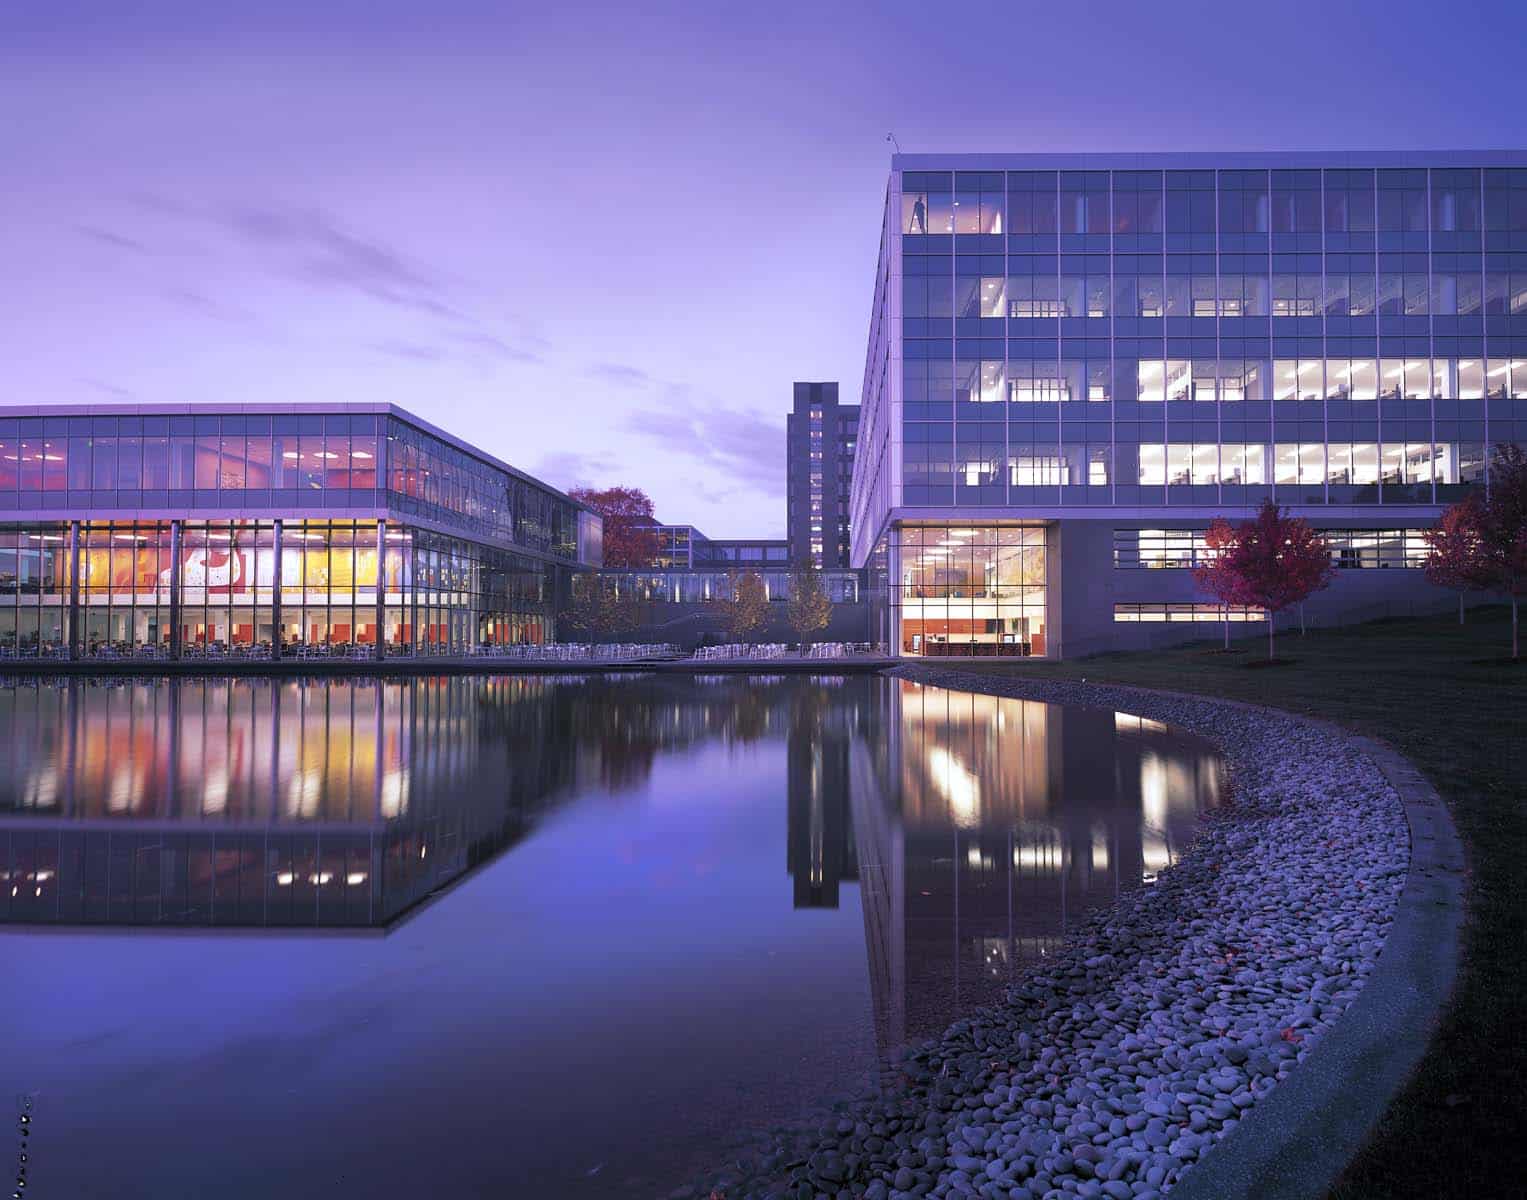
{"points": [[1295, 1142]]}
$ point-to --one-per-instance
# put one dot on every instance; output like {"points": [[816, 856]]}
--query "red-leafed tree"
{"points": [[1211, 574], [1503, 532], [1269, 562], [1455, 552], [629, 537]]}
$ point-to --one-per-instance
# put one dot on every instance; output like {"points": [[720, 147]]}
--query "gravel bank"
{"points": [[1117, 1063]]}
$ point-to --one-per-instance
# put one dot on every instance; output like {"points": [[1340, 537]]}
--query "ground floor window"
{"points": [[970, 590], [1350, 548], [1185, 612], [299, 587]]}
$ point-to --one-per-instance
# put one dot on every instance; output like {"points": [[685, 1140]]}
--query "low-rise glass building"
{"points": [[1077, 361], [254, 531]]}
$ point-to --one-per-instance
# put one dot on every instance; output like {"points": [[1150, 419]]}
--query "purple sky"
{"points": [[601, 241]]}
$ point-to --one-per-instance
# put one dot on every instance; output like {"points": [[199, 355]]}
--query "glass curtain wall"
{"points": [[125, 586], [34, 592], [328, 584], [439, 595], [970, 590]]}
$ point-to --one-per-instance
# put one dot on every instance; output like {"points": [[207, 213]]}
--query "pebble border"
{"points": [[1174, 1019]]}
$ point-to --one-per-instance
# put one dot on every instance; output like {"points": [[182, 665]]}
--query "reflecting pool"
{"points": [[529, 935]]}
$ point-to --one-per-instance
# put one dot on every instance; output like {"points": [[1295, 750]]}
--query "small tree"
{"points": [[1455, 553], [809, 609], [1269, 562], [599, 609], [1502, 526], [745, 607]]}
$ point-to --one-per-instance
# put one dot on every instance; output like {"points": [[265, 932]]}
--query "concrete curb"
{"points": [[1294, 1144]]}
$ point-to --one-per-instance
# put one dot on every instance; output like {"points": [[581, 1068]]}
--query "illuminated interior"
{"points": [[971, 590], [233, 586]]}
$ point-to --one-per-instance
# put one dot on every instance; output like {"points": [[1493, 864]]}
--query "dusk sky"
{"points": [[600, 242]]}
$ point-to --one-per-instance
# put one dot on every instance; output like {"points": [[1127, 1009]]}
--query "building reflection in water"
{"points": [[977, 829], [986, 827], [271, 802], [820, 844]]}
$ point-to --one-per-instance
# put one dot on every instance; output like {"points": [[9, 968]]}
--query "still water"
{"points": [[521, 936]]}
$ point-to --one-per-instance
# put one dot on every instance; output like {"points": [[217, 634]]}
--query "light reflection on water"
{"points": [[672, 910]]}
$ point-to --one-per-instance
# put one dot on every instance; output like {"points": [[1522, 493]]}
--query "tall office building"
{"points": [[1076, 362], [820, 435]]}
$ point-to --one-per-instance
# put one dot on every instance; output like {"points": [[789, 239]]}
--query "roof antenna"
{"points": [[891, 137]]}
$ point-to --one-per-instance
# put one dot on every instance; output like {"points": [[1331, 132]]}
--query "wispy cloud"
{"points": [[740, 445], [106, 388], [312, 246], [194, 300], [498, 347], [412, 351], [567, 469], [109, 237], [620, 373]]}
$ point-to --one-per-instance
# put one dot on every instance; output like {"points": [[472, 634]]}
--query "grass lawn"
{"points": [[1445, 698]]}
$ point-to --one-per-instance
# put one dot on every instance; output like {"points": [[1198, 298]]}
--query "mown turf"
{"points": [[1448, 699]]}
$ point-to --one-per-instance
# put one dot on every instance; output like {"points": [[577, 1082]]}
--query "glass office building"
{"points": [[260, 531], [1077, 361]]}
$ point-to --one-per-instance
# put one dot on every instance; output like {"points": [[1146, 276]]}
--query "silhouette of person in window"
{"points": [[919, 217]]}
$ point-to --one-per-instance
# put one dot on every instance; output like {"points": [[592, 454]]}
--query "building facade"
{"points": [[683, 548], [255, 531], [820, 435], [1076, 362]]}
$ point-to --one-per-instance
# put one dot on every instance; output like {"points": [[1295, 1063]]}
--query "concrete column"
{"points": [[275, 598], [413, 594], [1054, 643], [74, 590], [381, 574], [175, 574]]}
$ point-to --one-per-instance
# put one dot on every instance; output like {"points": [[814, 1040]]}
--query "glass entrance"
{"points": [[971, 590]]}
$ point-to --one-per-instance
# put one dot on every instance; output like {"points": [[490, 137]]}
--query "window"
{"points": [[1085, 286], [1349, 201], [1033, 292], [1030, 469], [1137, 202], [1084, 202], [1185, 612], [1296, 285], [1296, 202], [1155, 549], [1035, 382], [970, 590], [1505, 199], [925, 210], [993, 296], [1402, 201], [1190, 202], [1456, 201], [1031, 202], [1243, 201]]}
